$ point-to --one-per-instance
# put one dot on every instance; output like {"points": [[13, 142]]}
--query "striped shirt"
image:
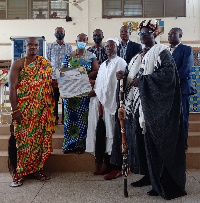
{"points": [[100, 53]]}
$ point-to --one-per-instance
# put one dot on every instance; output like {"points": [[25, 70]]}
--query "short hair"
{"points": [[98, 30], [125, 26], [26, 41], [82, 34], [179, 30], [61, 28]]}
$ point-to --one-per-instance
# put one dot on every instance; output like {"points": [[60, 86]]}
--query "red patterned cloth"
{"points": [[36, 103]]}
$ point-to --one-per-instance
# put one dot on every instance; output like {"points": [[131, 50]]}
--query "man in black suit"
{"points": [[183, 56], [127, 49]]}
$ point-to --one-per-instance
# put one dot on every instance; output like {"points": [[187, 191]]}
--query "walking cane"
{"points": [[124, 146]]}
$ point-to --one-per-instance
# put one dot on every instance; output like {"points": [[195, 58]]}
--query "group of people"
{"points": [[157, 87]]}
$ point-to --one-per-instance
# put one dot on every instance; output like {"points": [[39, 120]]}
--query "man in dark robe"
{"points": [[153, 102]]}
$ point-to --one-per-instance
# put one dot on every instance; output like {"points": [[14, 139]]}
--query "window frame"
{"points": [[143, 13], [28, 14]]}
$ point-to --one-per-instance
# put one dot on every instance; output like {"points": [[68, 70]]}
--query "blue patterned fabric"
{"points": [[76, 112], [195, 99]]}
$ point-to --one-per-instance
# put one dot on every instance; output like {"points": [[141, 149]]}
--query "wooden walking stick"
{"points": [[124, 147]]}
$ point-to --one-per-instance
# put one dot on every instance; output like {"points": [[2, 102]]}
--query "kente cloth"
{"points": [[36, 103], [105, 89], [164, 138], [76, 111]]}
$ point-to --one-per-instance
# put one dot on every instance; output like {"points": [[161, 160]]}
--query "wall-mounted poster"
{"points": [[18, 49], [195, 99]]}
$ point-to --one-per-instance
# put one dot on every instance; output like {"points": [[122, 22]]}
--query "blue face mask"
{"points": [[81, 45]]}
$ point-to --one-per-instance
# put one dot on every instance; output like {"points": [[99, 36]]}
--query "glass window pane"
{"points": [[133, 8], [175, 8], [38, 9], [112, 8], [2, 9], [17, 9], [59, 9], [153, 8]]}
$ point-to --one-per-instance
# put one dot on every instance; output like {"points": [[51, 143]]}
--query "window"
{"points": [[144, 8], [33, 9]]}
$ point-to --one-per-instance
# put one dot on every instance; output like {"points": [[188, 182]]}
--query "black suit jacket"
{"points": [[133, 48], [183, 56]]}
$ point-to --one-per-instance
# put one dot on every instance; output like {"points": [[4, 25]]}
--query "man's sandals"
{"points": [[39, 175], [17, 181]]}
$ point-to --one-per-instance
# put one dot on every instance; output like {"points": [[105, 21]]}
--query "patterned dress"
{"points": [[76, 111], [35, 101]]}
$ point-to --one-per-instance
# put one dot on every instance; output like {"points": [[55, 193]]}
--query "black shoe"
{"points": [[186, 148], [152, 193], [142, 182]]}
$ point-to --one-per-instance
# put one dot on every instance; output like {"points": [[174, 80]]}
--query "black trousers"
{"points": [[185, 105], [56, 96]]}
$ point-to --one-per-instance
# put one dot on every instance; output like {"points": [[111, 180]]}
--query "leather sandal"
{"points": [[17, 182], [39, 176]]}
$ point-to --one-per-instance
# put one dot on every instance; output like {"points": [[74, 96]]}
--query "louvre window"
{"points": [[144, 8], [2, 9], [33, 9]]}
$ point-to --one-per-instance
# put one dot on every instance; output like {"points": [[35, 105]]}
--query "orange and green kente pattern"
{"points": [[36, 103]]}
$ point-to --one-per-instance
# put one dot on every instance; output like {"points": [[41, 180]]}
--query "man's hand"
{"points": [[17, 117], [121, 113], [135, 82], [92, 82], [120, 75], [92, 94], [54, 83]]}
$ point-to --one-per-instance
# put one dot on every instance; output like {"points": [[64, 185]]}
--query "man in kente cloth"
{"points": [[154, 115], [31, 97]]}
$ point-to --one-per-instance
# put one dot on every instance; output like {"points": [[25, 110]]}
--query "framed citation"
{"points": [[73, 82]]}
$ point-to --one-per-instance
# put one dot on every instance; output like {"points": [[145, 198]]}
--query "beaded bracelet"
{"points": [[14, 111]]}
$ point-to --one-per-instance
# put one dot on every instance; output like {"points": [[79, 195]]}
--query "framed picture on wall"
{"points": [[18, 49]]}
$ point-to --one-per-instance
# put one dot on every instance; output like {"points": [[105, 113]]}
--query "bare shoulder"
{"points": [[72, 54], [18, 64]]}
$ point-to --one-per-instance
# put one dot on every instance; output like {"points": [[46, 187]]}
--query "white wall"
{"points": [[88, 20]]}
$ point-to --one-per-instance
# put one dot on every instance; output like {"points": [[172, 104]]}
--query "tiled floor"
{"points": [[87, 188]]}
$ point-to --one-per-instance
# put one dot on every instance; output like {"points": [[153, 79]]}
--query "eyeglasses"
{"points": [[145, 33]]}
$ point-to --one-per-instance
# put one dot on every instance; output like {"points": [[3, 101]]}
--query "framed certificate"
{"points": [[73, 82]]}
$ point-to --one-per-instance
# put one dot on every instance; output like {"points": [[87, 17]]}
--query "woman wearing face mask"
{"points": [[76, 109]]}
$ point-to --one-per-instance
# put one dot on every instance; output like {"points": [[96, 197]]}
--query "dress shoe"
{"points": [[142, 182], [152, 193], [113, 175]]}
